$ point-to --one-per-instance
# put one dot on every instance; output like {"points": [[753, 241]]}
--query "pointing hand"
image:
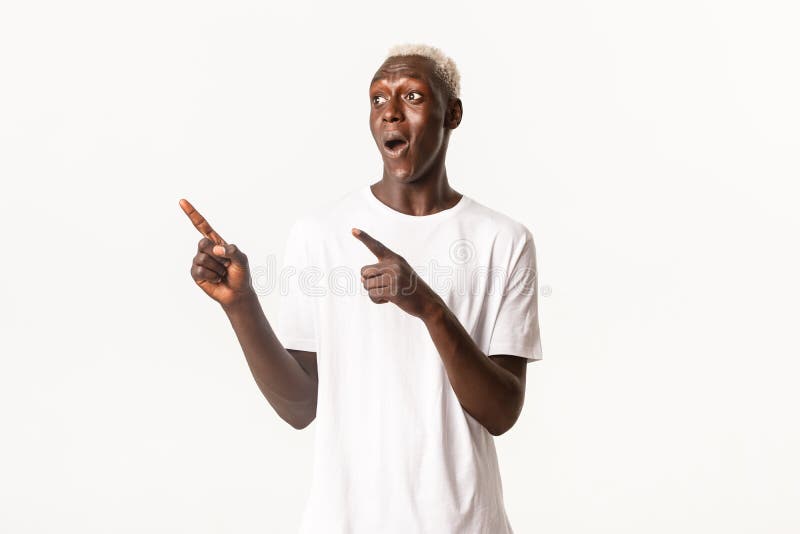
{"points": [[393, 280], [219, 268]]}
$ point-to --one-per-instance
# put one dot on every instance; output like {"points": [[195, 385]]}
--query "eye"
{"points": [[412, 93], [377, 99]]}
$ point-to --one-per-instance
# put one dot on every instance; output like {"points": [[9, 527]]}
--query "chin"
{"points": [[400, 174]]}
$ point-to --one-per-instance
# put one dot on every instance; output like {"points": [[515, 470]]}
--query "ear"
{"points": [[455, 110]]}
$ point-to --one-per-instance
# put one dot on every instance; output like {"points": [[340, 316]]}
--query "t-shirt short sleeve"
{"points": [[295, 327], [516, 327]]}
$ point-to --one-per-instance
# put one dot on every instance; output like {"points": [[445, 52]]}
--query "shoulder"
{"points": [[504, 229], [511, 241]]}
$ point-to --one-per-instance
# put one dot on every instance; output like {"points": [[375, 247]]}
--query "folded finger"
{"points": [[379, 295], [206, 246], [373, 269], [209, 262], [380, 280], [200, 273]]}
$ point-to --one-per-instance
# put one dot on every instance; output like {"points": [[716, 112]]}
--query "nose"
{"points": [[392, 112]]}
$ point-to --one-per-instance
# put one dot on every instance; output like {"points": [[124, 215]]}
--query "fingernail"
{"points": [[218, 250]]}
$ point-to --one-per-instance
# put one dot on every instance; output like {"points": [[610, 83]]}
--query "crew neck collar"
{"points": [[438, 216]]}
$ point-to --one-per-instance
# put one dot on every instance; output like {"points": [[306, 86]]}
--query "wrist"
{"points": [[243, 302], [434, 311]]}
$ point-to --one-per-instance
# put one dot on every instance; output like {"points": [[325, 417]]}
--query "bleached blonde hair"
{"points": [[445, 67]]}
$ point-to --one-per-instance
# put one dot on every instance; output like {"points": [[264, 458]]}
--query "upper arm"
{"points": [[516, 365], [307, 360], [295, 325], [515, 330]]}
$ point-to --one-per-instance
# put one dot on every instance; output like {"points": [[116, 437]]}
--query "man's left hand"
{"points": [[392, 279]]}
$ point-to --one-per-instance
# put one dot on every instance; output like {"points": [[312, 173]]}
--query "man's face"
{"points": [[407, 116]]}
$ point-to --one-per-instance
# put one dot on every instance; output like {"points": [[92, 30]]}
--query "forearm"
{"points": [[287, 387], [490, 394]]}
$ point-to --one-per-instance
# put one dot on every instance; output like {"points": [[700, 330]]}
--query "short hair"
{"points": [[444, 66]]}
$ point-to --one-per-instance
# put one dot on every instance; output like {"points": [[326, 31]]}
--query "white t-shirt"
{"points": [[395, 452]]}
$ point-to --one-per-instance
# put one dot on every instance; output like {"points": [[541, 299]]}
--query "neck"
{"points": [[426, 195]]}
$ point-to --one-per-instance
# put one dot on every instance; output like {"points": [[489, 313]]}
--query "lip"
{"points": [[396, 151]]}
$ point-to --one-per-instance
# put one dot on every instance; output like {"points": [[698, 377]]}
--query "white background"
{"points": [[651, 147]]}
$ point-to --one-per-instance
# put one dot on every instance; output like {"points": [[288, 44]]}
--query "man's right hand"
{"points": [[219, 268]]}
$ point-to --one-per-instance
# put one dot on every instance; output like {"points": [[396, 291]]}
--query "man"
{"points": [[408, 376]]}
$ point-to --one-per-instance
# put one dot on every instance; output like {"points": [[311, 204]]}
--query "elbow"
{"points": [[300, 424], [508, 418], [303, 417], [499, 430]]}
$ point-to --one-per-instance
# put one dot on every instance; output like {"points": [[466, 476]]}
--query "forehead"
{"points": [[415, 67]]}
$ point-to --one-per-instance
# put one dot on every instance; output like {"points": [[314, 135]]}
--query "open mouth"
{"points": [[395, 147]]}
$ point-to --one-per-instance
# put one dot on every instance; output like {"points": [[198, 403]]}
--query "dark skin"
{"points": [[221, 270], [411, 118]]}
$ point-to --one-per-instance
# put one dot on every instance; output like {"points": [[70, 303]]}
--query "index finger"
{"points": [[377, 248], [200, 222]]}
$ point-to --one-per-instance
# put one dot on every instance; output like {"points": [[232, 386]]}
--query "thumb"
{"points": [[231, 252]]}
